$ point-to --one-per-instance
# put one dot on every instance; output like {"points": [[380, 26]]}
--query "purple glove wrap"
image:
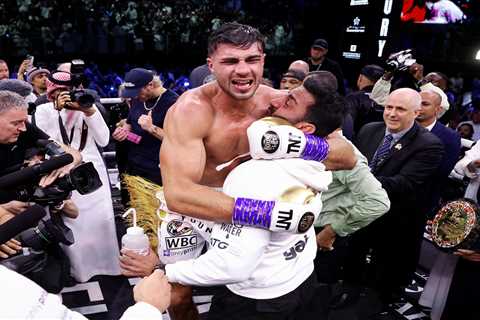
{"points": [[251, 212], [316, 148]]}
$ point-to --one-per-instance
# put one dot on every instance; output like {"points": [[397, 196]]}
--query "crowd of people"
{"points": [[266, 192], [127, 27]]}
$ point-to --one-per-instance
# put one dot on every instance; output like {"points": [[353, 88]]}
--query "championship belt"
{"points": [[456, 226]]}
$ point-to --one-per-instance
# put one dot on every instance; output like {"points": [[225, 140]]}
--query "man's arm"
{"points": [[229, 260], [182, 161], [341, 155], [369, 198]]}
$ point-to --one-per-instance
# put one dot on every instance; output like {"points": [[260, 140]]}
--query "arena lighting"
{"points": [[477, 56]]}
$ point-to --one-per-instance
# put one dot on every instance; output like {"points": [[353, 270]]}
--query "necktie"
{"points": [[382, 151]]}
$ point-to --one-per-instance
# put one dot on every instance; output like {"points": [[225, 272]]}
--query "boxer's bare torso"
{"points": [[204, 129], [226, 138]]}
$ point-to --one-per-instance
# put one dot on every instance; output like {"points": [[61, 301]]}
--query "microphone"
{"points": [[30, 173], [21, 222]]}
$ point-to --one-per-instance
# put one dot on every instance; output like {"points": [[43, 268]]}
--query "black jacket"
{"points": [[406, 174]]}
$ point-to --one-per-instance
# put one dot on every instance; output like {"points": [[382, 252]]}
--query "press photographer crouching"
{"points": [[73, 117]]}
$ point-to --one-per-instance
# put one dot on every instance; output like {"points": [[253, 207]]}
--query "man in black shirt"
{"points": [[149, 105], [318, 61]]}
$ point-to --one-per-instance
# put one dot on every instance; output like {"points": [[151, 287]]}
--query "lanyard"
{"points": [[68, 140]]}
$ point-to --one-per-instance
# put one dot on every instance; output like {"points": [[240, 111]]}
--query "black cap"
{"points": [[135, 80], [372, 72], [294, 73], [320, 43]]}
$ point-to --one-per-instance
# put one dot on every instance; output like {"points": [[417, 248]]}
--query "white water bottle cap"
{"points": [[134, 231]]}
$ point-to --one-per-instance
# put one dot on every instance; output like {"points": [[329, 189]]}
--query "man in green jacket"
{"points": [[354, 199]]}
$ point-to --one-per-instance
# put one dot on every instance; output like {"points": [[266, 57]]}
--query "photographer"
{"points": [[17, 136], [72, 117]]}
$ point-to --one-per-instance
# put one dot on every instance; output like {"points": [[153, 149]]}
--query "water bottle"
{"points": [[135, 239]]}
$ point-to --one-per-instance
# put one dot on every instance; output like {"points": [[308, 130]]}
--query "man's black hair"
{"points": [[236, 34], [324, 80], [328, 110]]}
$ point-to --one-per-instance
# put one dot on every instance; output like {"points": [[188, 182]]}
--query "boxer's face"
{"points": [[238, 70], [12, 123], [294, 106]]}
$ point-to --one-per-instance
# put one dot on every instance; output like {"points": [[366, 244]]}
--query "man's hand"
{"points": [[468, 255], [5, 216], [416, 71], [9, 248], [325, 238], [145, 121], [135, 265], [121, 132], [15, 207], [473, 166], [154, 290], [23, 67]]}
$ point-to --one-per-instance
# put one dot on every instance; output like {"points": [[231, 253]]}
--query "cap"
{"points": [[135, 80], [35, 71], [372, 72], [18, 86], [293, 73], [320, 43]]}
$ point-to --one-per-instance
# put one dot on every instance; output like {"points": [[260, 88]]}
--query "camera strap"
{"points": [[68, 140]]}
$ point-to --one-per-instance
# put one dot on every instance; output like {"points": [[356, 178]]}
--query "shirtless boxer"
{"points": [[207, 128]]}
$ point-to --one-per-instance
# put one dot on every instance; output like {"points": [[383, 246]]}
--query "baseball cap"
{"points": [[320, 43], [135, 80], [372, 72], [294, 73]]}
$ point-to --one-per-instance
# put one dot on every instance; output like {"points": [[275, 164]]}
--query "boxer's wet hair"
{"points": [[236, 34], [328, 111]]}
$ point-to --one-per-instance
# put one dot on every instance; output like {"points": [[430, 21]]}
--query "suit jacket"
{"points": [[452, 145], [406, 174]]}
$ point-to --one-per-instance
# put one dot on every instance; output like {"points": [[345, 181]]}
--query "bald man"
{"points": [[299, 65], [403, 156]]}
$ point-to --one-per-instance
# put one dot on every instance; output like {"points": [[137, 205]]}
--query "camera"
{"points": [[42, 259], [84, 99], [84, 178], [47, 232], [400, 61]]}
